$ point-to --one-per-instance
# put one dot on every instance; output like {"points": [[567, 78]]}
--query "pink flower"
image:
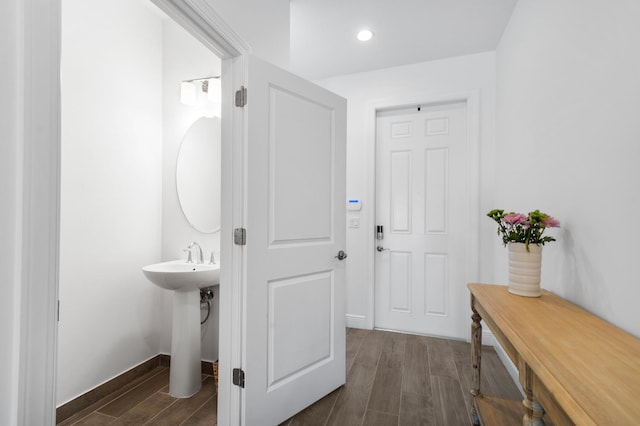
{"points": [[550, 222], [515, 219]]}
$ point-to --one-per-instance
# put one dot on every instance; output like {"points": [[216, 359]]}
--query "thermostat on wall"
{"points": [[354, 205]]}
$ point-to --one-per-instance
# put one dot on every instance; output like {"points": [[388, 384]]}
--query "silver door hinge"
{"points": [[241, 97], [240, 236], [58, 310], [238, 377]]}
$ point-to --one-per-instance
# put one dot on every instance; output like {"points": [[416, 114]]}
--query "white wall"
{"points": [[466, 73], [111, 189], [10, 194], [264, 24], [568, 143], [184, 58]]}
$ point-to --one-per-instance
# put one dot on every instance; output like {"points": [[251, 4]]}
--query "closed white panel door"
{"points": [[420, 202], [294, 340]]}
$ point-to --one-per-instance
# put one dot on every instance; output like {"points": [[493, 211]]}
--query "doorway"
{"points": [[123, 124], [420, 189], [36, 378], [428, 207]]}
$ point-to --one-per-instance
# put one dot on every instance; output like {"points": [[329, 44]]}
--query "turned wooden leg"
{"points": [[476, 351], [533, 409]]}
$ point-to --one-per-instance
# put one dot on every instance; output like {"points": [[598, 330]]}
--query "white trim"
{"points": [[198, 18], [508, 364], [221, 33], [356, 321], [233, 195], [202, 21], [40, 212], [472, 99], [488, 338]]}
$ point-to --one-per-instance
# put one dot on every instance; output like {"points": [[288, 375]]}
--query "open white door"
{"points": [[293, 320]]}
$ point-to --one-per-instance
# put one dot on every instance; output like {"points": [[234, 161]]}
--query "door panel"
{"points": [[401, 191], [436, 194], [435, 273], [294, 319], [420, 191], [400, 286], [301, 309], [300, 131]]}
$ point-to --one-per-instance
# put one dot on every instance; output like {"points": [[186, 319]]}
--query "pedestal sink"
{"points": [[185, 280]]}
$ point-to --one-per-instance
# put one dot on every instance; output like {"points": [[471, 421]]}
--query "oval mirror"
{"points": [[198, 174]]}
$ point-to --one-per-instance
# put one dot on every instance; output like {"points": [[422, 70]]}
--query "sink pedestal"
{"points": [[186, 280], [185, 372]]}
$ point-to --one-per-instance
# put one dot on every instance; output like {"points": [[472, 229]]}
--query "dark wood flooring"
{"points": [[392, 379], [402, 379], [149, 403]]}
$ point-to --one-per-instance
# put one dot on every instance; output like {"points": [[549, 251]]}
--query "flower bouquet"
{"points": [[518, 228], [523, 234]]}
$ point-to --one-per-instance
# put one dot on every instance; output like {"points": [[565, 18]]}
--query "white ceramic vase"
{"points": [[524, 269]]}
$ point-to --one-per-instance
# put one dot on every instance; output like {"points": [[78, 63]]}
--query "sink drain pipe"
{"points": [[206, 295]]}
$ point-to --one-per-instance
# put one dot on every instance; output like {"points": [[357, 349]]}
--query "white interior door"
{"points": [[420, 202], [294, 318]]}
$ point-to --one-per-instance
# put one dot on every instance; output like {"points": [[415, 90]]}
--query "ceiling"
{"points": [[323, 32]]}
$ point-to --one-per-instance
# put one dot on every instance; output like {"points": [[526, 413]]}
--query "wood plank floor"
{"points": [[400, 380], [149, 403], [392, 379]]}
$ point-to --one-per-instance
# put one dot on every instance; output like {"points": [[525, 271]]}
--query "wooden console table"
{"points": [[573, 366]]}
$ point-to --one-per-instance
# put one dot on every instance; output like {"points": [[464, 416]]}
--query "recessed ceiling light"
{"points": [[365, 35]]}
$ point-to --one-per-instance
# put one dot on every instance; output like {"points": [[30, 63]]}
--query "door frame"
{"points": [[472, 206], [35, 331]]}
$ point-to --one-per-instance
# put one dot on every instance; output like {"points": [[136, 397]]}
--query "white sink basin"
{"points": [[186, 279], [181, 276]]}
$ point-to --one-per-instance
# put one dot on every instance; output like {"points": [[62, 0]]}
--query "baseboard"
{"points": [[122, 382], [487, 338], [356, 321], [94, 395], [510, 366]]}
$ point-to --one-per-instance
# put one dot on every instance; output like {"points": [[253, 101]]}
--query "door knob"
{"points": [[380, 248], [341, 255]]}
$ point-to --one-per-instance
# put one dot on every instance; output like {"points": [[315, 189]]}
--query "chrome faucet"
{"points": [[199, 256]]}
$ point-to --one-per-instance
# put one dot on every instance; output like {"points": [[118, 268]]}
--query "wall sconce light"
{"points": [[205, 92]]}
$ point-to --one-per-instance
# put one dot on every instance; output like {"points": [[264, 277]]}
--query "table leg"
{"points": [[533, 409], [476, 351]]}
